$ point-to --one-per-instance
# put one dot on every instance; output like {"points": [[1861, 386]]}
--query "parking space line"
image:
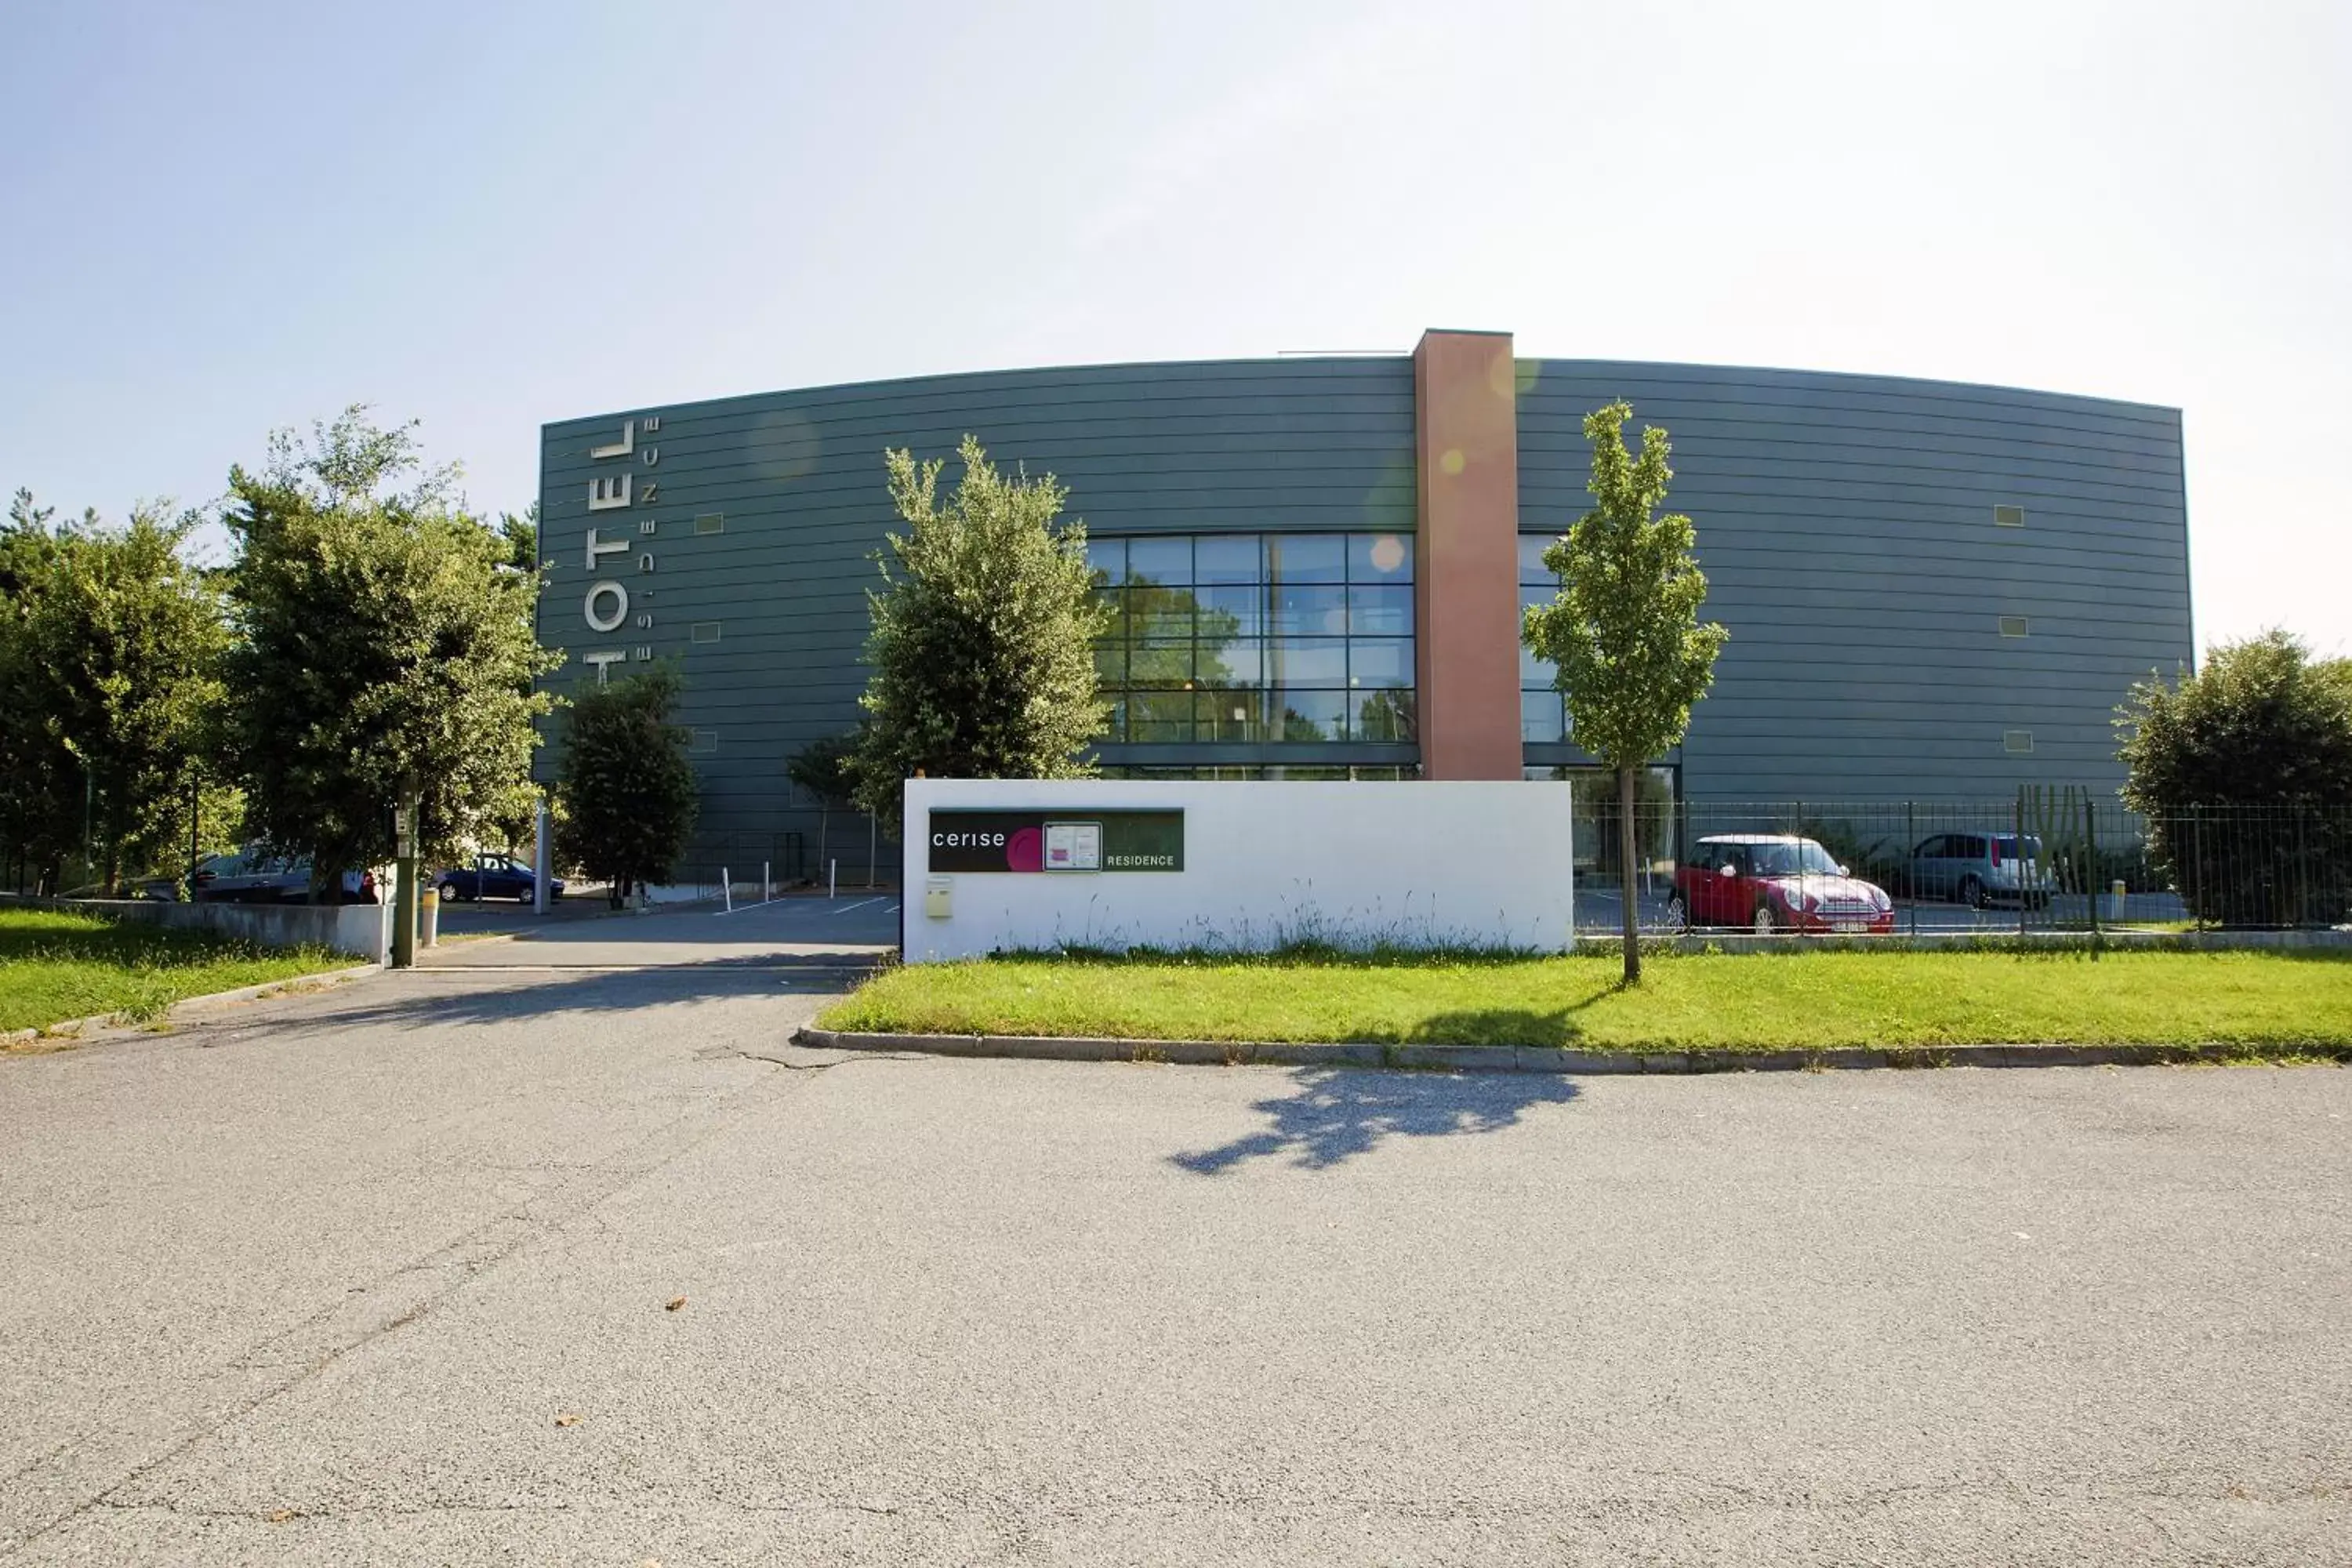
{"points": [[862, 904]]}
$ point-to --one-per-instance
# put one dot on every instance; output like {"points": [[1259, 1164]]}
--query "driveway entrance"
{"points": [[796, 932]]}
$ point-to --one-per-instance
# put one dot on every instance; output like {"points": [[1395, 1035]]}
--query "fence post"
{"points": [[2197, 866], [873, 847], [2091, 855], [2301, 870], [1682, 836], [2024, 877], [1910, 842]]}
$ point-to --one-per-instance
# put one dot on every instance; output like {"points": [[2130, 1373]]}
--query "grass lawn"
{"points": [[55, 967], [1755, 1000]]}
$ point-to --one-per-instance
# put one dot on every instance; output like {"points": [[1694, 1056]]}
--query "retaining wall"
{"points": [[364, 931]]}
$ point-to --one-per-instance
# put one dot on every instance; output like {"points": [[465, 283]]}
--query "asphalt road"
{"points": [[324, 1279]]}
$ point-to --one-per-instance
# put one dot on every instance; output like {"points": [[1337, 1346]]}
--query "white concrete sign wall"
{"points": [[1001, 864]]}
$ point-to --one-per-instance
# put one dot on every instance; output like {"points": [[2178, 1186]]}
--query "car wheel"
{"points": [[1765, 924], [1972, 892], [1677, 914]]}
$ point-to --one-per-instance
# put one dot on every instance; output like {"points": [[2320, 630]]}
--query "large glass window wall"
{"points": [[1542, 718], [1247, 637]]}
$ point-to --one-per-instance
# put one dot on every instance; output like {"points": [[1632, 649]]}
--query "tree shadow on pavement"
{"points": [[1335, 1114]]}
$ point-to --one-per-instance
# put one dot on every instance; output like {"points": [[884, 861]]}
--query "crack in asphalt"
{"points": [[849, 1059], [1706, 1495], [461, 1260]]}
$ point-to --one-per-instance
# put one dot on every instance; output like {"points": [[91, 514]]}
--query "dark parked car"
{"points": [[494, 877], [1773, 882]]}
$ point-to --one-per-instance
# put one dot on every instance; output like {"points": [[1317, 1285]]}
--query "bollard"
{"points": [[832, 877], [2116, 893], [428, 915], [767, 884], [727, 890]]}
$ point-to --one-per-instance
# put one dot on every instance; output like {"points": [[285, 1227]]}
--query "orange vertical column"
{"points": [[1466, 593]]}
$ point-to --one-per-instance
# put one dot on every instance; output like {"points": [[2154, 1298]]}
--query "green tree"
{"points": [[982, 648], [379, 647], [517, 822], [41, 789], [827, 768], [519, 531], [626, 783], [125, 648], [2243, 770], [1624, 634]]}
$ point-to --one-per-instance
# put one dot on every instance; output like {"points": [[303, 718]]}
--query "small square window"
{"points": [[1386, 716], [1379, 558], [711, 522], [704, 741], [1379, 661], [1307, 557], [1161, 560], [705, 631], [2012, 626], [1379, 611], [1542, 719], [1308, 716], [1227, 558], [1308, 661], [1237, 663], [1160, 667], [2018, 741], [1160, 717], [2009, 517], [1107, 559]]}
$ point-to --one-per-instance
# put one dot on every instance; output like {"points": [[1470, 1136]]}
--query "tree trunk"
{"points": [[1633, 922]]}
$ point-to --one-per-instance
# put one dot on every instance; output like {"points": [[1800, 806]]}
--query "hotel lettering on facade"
{"points": [[1934, 591]]}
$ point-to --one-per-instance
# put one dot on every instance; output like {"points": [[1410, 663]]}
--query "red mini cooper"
{"points": [[1772, 882]]}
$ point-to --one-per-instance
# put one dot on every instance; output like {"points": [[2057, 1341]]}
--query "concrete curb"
{"points": [[73, 1028], [1531, 1059]]}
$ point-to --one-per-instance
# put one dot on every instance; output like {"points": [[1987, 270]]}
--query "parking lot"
{"points": [[557, 1251]]}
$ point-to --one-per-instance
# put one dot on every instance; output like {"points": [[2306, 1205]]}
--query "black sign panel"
{"points": [[1075, 840]]}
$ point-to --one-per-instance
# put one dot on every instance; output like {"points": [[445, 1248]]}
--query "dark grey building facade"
{"points": [[1934, 591]]}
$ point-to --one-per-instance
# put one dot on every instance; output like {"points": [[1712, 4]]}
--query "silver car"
{"points": [[256, 875], [1979, 868]]}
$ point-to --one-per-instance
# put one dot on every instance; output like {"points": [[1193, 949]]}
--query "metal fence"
{"points": [[749, 860], [2045, 860]]}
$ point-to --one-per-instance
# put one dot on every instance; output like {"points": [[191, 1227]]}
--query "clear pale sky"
{"points": [[241, 215]]}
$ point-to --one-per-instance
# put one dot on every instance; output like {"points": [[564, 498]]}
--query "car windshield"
{"points": [[1803, 857]]}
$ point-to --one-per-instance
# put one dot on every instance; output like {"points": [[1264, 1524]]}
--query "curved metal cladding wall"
{"points": [[1848, 532], [775, 592]]}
